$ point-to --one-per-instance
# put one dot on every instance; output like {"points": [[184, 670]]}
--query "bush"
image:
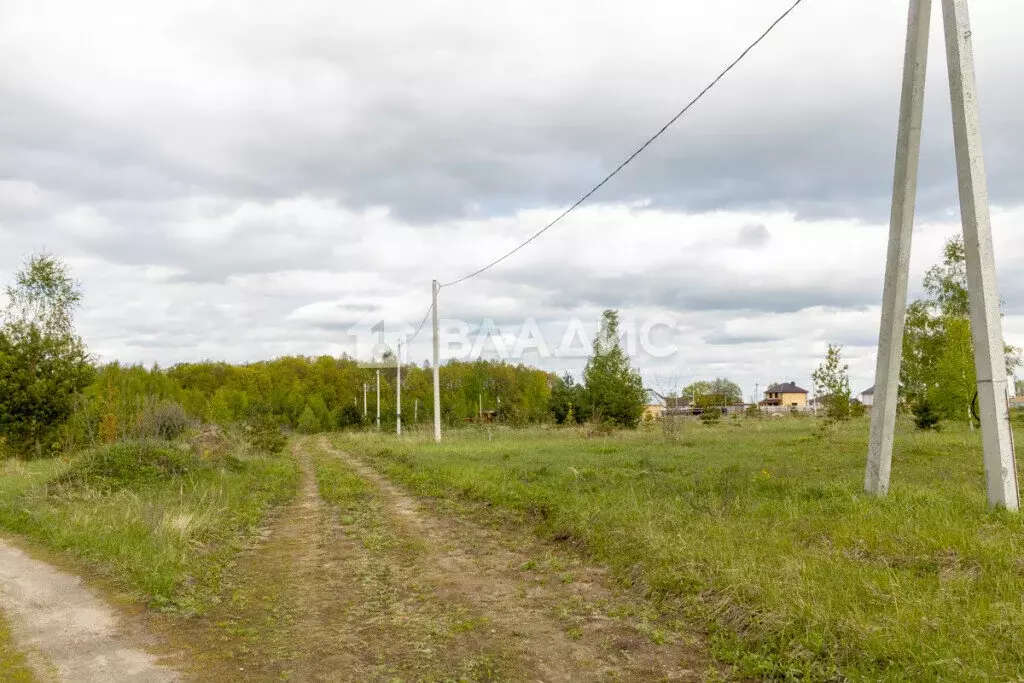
{"points": [[925, 416], [265, 436], [130, 464], [210, 442], [711, 416], [308, 422], [164, 419], [349, 416]]}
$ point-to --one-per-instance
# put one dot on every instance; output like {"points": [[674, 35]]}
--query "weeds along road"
{"points": [[356, 581]]}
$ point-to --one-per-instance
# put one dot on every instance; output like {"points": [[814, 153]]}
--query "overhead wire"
{"points": [[422, 323], [636, 153]]}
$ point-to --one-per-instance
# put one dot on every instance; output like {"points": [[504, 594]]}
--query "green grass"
{"points": [[12, 663], [759, 531], [159, 523]]}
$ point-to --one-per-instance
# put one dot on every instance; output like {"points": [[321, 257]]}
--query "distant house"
{"points": [[678, 405], [786, 394], [655, 406], [867, 397]]}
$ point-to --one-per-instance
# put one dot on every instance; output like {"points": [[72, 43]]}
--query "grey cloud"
{"points": [[705, 292], [416, 136], [720, 337], [753, 236]]}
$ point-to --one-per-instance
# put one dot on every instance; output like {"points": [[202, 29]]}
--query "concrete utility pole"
{"points": [[415, 411], [435, 288], [398, 391], [378, 399], [364, 400], [986, 325]]}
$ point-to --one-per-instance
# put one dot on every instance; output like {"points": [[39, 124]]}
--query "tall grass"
{"points": [[759, 531], [158, 521]]}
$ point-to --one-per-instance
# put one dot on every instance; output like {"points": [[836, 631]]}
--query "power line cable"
{"points": [[635, 154], [422, 323]]}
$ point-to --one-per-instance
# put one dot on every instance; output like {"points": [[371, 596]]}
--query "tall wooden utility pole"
{"points": [[986, 325]]}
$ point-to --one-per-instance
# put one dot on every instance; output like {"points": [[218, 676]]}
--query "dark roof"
{"points": [[654, 398], [868, 392], [785, 388]]}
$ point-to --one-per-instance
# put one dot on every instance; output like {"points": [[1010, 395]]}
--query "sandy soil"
{"points": [[68, 632]]}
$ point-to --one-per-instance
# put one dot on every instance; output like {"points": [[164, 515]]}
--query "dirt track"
{"points": [[558, 607], [67, 632], [396, 590]]}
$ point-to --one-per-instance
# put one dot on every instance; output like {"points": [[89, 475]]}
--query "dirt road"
{"points": [[67, 631], [386, 588]]}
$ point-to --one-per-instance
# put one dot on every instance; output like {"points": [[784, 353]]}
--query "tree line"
{"points": [[55, 398]]}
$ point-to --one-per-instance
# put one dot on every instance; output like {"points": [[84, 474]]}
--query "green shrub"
{"points": [[265, 436], [349, 416], [130, 464], [711, 416], [925, 416], [308, 422], [164, 419]]}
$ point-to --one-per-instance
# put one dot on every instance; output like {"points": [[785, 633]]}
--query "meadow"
{"points": [[158, 521], [758, 531]]}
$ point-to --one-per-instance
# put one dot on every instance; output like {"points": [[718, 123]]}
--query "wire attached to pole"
{"points": [[635, 154], [422, 323]]}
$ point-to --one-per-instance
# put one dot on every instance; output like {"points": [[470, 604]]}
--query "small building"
{"points": [[867, 397], [655, 406], [678, 405], [785, 394]]}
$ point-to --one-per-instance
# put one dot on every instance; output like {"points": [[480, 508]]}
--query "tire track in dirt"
{"points": [[564, 628], [66, 632], [319, 600]]}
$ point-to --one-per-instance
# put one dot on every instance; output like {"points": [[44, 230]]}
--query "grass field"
{"points": [[759, 531], [158, 523]]}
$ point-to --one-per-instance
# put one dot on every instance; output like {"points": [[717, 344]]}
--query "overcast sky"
{"points": [[242, 180]]}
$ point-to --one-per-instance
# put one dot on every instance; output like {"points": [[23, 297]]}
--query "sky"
{"points": [[243, 180]]}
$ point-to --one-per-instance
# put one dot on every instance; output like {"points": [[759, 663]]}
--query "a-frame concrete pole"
{"points": [[986, 324], [897, 264]]}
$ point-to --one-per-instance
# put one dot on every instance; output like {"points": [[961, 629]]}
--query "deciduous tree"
{"points": [[938, 350], [43, 362], [832, 384]]}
